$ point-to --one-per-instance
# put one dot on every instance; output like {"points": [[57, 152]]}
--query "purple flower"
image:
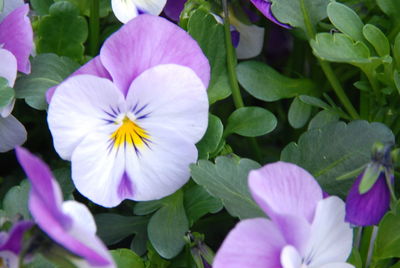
{"points": [[16, 41], [265, 8], [304, 229], [68, 223], [368, 208], [129, 119], [173, 9], [11, 244]]}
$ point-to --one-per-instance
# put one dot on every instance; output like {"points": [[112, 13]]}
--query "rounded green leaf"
{"points": [[16, 200], [345, 20], [42, 6], [250, 122], [7, 94], [377, 39], [299, 113], [126, 258], [212, 138]]}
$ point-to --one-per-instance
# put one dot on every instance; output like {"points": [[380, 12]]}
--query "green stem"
{"points": [[94, 26], [365, 243], [326, 67]]}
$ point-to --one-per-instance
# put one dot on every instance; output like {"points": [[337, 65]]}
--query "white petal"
{"points": [[9, 6], [290, 257], [171, 96], [81, 105], [97, 169], [251, 40], [124, 10], [84, 229], [335, 265], [11, 260], [12, 133], [161, 168], [153, 7], [331, 237], [8, 66]]}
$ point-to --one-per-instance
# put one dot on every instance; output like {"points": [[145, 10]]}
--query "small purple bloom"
{"points": [[265, 8], [304, 229], [11, 244], [368, 208], [68, 223]]}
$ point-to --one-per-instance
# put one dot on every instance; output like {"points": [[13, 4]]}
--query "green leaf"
{"points": [[42, 6], [1, 5], [7, 94], [250, 122], [167, 227], [355, 258], [227, 180], [387, 242], [299, 113], [126, 258], [48, 70], [336, 149], [15, 202], [210, 141], [63, 32], [291, 11], [40, 262], [346, 20], [390, 8], [63, 177], [264, 83], [313, 101], [323, 118], [396, 79], [112, 228], [210, 36], [198, 202], [377, 39]]}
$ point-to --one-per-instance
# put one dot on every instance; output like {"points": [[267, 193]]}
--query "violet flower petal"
{"points": [[13, 242], [265, 8], [253, 243], [286, 189], [369, 208], [147, 41], [173, 9], [9, 6], [16, 35]]}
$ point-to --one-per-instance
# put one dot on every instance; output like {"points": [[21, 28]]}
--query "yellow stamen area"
{"points": [[130, 133]]}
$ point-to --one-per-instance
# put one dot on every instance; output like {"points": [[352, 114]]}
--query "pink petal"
{"points": [[253, 243], [16, 36], [285, 189], [147, 41]]}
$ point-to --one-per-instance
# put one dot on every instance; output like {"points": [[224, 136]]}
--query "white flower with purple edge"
{"points": [[125, 10], [68, 223], [304, 229], [16, 41], [129, 119]]}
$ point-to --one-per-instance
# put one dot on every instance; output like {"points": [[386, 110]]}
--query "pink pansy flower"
{"points": [[125, 10], [304, 230], [16, 41], [129, 119], [68, 223]]}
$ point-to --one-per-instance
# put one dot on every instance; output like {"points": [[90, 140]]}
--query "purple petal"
{"points": [[16, 36], [13, 242], [45, 206], [147, 41], [286, 189], [94, 67], [369, 208], [253, 243], [235, 35], [173, 9], [265, 8]]}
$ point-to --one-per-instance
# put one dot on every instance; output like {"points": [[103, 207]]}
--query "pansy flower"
{"points": [[16, 41], [70, 224], [304, 229], [11, 244], [129, 119], [264, 6], [125, 10]]}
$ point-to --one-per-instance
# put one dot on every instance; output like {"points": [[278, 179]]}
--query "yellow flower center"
{"points": [[130, 133]]}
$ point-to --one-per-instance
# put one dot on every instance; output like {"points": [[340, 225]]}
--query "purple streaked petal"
{"points": [[16, 35], [13, 242], [125, 187], [12, 133], [173, 9], [265, 8], [45, 196], [147, 41], [369, 208], [253, 243], [92, 67], [286, 189]]}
